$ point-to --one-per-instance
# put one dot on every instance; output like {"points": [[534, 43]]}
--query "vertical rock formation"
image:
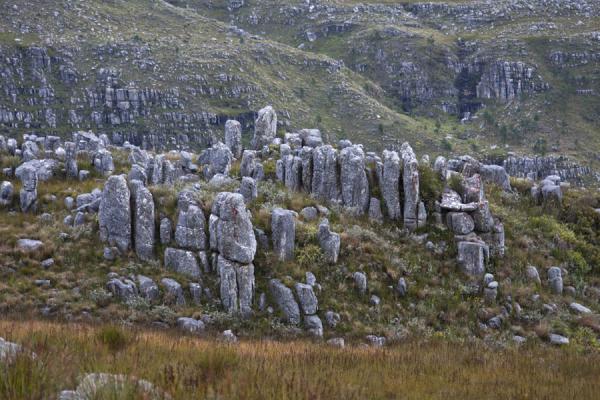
{"points": [[283, 228], [325, 179], [390, 184], [143, 223], [265, 128], [233, 137], [410, 179], [353, 179], [71, 169], [114, 214]]}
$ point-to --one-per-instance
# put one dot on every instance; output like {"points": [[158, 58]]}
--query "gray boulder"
{"points": [[311, 137], [165, 231], [6, 193], [353, 178], [329, 242], [71, 169], [306, 155], [460, 223], [248, 189], [390, 185], [292, 167], [307, 298], [360, 280], [375, 213], [143, 219], [216, 160], [114, 215], [122, 289], [182, 262], [410, 179], [283, 228], [325, 174], [190, 325], [231, 232], [190, 232], [236, 286], [533, 274], [233, 137], [313, 325], [472, 257], [309, 213], [173, 292], [284, 299], [555, 280], [148, 288], [265, 128], [495, 174], [28, 193]]}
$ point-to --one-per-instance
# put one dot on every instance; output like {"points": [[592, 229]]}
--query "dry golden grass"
{"points": [[194, 368]]}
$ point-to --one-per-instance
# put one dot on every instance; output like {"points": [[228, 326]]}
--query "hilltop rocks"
{"points": [[216, 160], [190, 232], [472, 257], [283, 227], [231, 232], [329, 242], [103, 162], [495, 174], [410, 179], [6, 193], [143, 217], [28, 193], [233, 137], [265, 128], [284, 299], [353, 179], [237, 286], [390, 186], [165, 231], [114, 214], [325, 174], [182, 262]]}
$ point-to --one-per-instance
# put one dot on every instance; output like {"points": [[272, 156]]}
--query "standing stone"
{"points": [[460, 223], [314, 325], [306, 155], [148, 288], [329, 242], [353, 178], [440, 166], [555, 280], [325, 185], [410, 178], [157, 176], [375, 213], [144, 223], [360, 280], [307, 298], [173, 292], [533, 275], [497, 175], [114, 214], [28, 193], [311, 137], [216, 160], [237, 286], [71, 169], [182, 262], [293, 172], [165, 231], [265, 128], [190, 232], [6, 193], [231, 232], [233, 137], [103, 162], [283, 228], [284, 299], [247, 166], [390, 186], [472, 257], [248, 189], [483, 218]]}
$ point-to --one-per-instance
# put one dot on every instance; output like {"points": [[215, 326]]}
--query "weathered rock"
{"points": [[284, 299], [390, 185], [190, 325], [137, 173], [6, 193], [114, 215], [248, 189], [307, 298], [71, 169], [165, 231], [313, 325], [472, 189], [233, 137], [306, 155], [337, 342], [329, 242], [325, 174], [248, 164], [482, 217], [283, 228], [29, 245], [292, 172], [311, 137], [402, 287], [143, 219], [533, 275], [353, 179], [103, 163], [231, 232], [28, 193], [472, 257], [558, 340], [190, 232], [555, 280], [173, 292], [309, 213], [410, 179], [265, 128], [332, 319], [216, 160], [148, 288], [495, 174], [579, 308], [122, 289], [360, 280], [182, 261], [237, 286], [460, 223], [440, 166]]}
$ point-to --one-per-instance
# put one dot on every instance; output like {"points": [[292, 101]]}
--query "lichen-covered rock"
{"points": [[325, 177], [265, 128], [123, 289], [311, 137], [440, 166], [190, 325], [313, 325], [410, 179], [460, 223], [114, 214], [495, 174], [284, 299], [231, 232], [555, 280], [233, 137], [28, 193], [216, 160], [360, 280], [306, 155], [190, 232], [472, 257], [248, 189], [307, 298], [103, 162], [390, 185], [173, 292], [165, 231], [283, 228], [143, 220], [292, 167], [6, 193], [236, 286], [148, 288], [353, 179], [71, 169], [182, 262], [329, 242]]}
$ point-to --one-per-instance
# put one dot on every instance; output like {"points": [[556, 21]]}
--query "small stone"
{"points": [[332, 319], [579, 309], [558, 340], [375, 341], [360, 280], [375, 300], [337, 342], [190, 325], [47, 263]]}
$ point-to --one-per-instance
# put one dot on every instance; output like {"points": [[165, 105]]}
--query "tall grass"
{"points": [[192, 368]]}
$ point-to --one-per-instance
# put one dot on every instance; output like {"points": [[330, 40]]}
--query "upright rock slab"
{"points": [[265, 128], [353, 179], [190, 232], [284, 299], [236, 286], [410, 179], [325, 180], [472, 257], [283, 228], [390, 185], [329, 242], [233, 137], [114, 214], [28, 193], [143, 219]]}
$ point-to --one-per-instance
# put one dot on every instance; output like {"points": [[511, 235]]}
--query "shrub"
{"points": [[430, 185], [112, 337]]}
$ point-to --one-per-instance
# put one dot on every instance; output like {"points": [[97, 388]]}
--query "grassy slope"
{"points": [[191, 368]]}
